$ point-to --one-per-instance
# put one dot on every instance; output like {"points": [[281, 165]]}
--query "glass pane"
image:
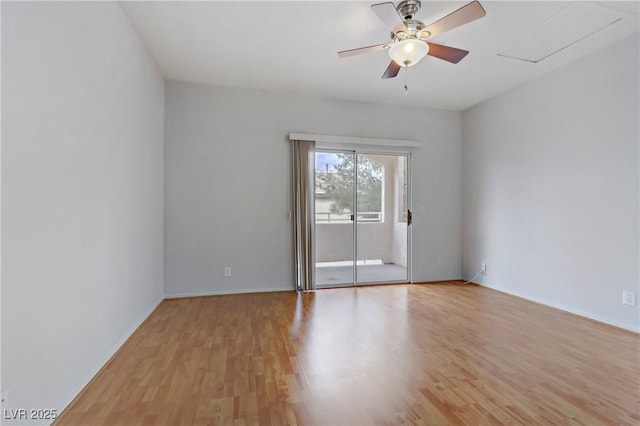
{"points": [[334, 196], [381, 198]]}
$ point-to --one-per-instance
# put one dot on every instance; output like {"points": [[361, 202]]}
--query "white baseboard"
{"points": [[574, 311], [224, 292], [436, 278], [88, 377]]}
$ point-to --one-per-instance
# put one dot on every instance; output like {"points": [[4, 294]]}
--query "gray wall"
{"points": [[550, 187], [228, 183], [82, 194]]}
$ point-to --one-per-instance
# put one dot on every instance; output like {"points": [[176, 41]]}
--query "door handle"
{"points": [[409, 217], [352, 218]]}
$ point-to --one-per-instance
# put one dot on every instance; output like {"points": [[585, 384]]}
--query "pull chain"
{"points": [[406, 88]]}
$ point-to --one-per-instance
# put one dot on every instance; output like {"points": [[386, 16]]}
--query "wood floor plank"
{"points": [[397, 355]]}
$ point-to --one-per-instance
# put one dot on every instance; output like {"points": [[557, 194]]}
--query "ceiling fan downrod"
{"points": [[407, 9]]}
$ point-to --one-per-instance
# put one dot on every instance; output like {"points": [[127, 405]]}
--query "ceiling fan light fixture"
{"points": [[408, 52]]}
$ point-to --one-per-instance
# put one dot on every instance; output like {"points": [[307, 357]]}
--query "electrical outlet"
{"points": [[628, 298], [483, 268], [227, 271]]}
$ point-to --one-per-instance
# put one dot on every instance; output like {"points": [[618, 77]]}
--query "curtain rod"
{"points": [[354, 140]]}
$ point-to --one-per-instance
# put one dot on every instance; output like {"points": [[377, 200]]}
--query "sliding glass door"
{"points": [[334, 210], [381, 196], [362, 218]]}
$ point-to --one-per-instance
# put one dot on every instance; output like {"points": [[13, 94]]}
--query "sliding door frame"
{"points": [[355, 151]]}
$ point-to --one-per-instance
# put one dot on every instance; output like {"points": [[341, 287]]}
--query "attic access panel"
{"points": [[571, 25]]}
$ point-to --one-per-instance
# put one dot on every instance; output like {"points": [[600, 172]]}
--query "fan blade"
{"points": [[464, 15], [449, 54], [392, 70], [361, 50], [389, 15]]}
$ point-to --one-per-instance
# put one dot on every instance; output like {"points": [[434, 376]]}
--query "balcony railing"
{"points": [[328, 217]]}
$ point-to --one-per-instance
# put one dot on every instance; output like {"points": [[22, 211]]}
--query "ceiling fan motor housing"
{"points": [[414, 29]]}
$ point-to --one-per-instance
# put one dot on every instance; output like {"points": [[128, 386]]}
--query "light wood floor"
{"points": [[408, 354]]}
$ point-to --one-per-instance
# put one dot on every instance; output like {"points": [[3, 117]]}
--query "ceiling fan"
{"points": [[409, 37]]}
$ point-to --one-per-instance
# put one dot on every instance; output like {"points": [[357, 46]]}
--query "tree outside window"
{"points": [[335, 180]]}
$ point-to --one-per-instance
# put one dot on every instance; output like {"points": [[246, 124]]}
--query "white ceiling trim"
{"points": [[353, 140]]}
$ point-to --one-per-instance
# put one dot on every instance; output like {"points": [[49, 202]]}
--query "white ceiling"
{"points": [[291, 46]]}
